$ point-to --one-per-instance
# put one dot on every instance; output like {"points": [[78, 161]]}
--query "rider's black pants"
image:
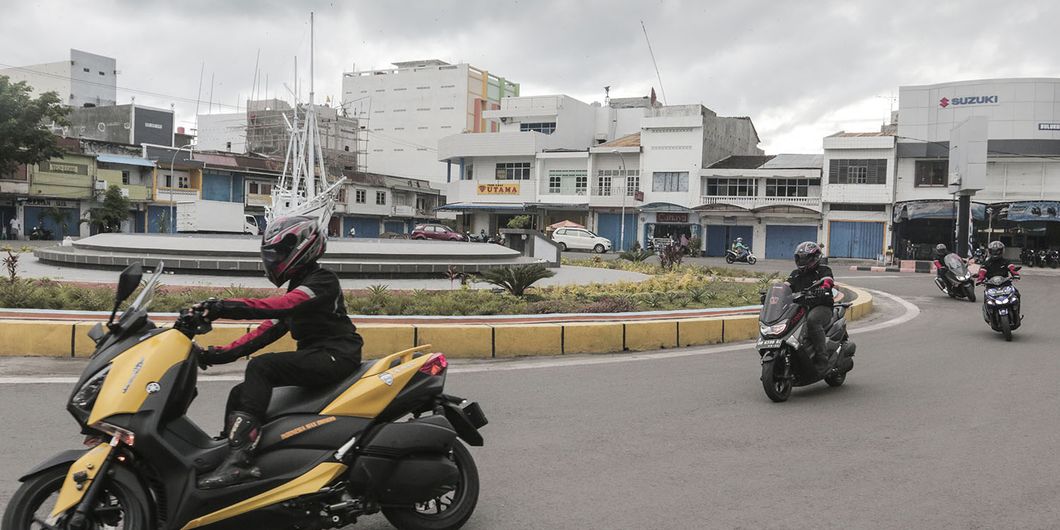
{"points": [[816, 320], [311, 367]]}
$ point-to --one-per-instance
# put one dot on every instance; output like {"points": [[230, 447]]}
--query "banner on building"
{"points": [[1033, 211], [671, 217], [498, 189], [914, 210], [67, 168]]}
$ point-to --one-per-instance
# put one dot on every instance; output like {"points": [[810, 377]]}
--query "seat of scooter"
{"points": [[305, 400]]}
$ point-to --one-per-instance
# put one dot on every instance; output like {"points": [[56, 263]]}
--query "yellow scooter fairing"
{"points": [[376, 389], [89, 463], [133, 371]]}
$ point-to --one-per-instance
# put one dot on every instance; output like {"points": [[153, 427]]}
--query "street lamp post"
{"points": [[172, 162], [624, 191]]}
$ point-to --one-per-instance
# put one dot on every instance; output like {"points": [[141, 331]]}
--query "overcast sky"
{"points": [[799, 69]]}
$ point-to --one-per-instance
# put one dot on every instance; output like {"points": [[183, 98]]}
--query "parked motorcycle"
{"points": [[979, 254], [1001, 305], [957, 282], [1027, 257], [42, 234], [1053, 258], [731, 256], [385, 439], [783, 345], [1043, 257]]}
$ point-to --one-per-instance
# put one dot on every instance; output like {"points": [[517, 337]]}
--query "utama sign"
{"points": [[965, 101]]}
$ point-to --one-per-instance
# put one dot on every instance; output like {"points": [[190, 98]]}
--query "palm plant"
{"points": [[516, 280]]}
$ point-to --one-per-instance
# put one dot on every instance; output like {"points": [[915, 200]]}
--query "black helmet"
{"points": [[941, 249], [807, 255], [290, 245], [995, 248]]}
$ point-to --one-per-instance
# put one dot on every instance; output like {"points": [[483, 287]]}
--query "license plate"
{"points": [[766, 344], [1002, 311]]}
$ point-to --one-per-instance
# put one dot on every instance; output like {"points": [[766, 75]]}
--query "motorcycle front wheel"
{"points": [[969, 292], [751, 260], [448, 512], [117, 505], [1006, 328], [776, 385]]}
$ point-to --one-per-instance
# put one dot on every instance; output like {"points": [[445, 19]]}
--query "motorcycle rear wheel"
{"points": [[31, 505], [729, 260], [777, 387], [447, 516]]}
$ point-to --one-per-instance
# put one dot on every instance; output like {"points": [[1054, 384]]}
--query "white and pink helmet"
{"points": [[289, 245]]}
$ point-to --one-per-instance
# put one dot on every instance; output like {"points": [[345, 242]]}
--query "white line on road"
{"points": [[910, 311]]}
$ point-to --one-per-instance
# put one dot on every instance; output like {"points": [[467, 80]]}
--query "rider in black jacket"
{"points": [[940, 260], [996, 264], [818, 299], [313, 311]]}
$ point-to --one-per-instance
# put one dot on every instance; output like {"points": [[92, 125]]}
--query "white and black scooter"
{"points": [[1001, 305], [956, 281], [786, 361], [733, 257]]}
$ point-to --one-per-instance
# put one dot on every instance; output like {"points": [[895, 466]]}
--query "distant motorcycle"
{"points": [[39, 233], [1001, 305], [734, 257], [979, 254], [1053, 259], [1043, 257], [957, 282], [1027, 256]]}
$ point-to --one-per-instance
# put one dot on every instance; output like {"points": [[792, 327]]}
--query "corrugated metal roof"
{"points": [[127, 160], [795, 161], [742, 162], [632, 140]]}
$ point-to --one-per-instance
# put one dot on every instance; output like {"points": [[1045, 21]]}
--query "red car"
{"points": [[441, 232]]}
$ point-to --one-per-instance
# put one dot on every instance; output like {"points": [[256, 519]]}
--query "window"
{"points": [[544, 127], [361, 196], [931, 173], [513, 171], [840, 207], [125, 176], [788, 188], [469, 172], [87, 70], [567, 181], [380, 198], [857, 171], [101, 73], [632, 184], [669, 181], [342, 196], [604, 181], [731, 187], [183, 182], [167, 181], [603, 185]]}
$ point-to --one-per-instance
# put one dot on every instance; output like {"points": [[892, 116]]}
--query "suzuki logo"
{"points": [[944, 102]]}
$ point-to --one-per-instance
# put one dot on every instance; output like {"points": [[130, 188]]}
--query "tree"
{"points": [[113, 212], [24, 137]]}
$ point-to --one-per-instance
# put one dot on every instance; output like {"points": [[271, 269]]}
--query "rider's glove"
{"points": [[212, 356], [211, 308]]}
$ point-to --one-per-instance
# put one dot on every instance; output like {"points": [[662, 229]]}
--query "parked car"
{"points": [[440, 232], [580, 239]]}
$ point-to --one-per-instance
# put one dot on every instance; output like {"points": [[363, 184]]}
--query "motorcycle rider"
{"points": [[739, 248], [818, 300], [995, 264], [313, 310], [940, 260]]}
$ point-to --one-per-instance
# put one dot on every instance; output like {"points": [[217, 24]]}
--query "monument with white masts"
{"points": [[304, 187]]}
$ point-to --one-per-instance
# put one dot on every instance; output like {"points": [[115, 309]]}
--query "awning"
{"points": [[465, 206], [127, 160], [941, 209]]}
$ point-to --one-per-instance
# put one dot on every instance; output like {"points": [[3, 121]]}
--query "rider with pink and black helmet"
{"points": [[313, 310], [815, 281]]}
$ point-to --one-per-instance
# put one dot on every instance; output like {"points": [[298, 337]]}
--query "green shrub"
{"points": [[519, 221], [611, 304], [516, 280], [635, 255]]}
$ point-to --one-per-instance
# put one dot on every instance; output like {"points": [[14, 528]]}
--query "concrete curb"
{"points": [[44, 338]]}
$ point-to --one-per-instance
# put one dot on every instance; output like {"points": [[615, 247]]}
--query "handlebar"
{"points": [[192, 322]]}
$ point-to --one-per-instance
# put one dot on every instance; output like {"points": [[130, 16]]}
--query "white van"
{"points": [[580, 239]]}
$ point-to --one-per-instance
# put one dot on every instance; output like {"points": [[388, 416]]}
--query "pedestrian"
{"points": [[16, 227], [353, 232]]}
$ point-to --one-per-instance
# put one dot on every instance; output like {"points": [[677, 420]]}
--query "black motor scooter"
{"points": [[1001, 305], [957, 282], [783, 345]]}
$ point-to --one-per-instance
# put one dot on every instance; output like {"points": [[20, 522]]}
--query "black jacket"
{"points": [[995, 266], [802, 280], [313, 310]]}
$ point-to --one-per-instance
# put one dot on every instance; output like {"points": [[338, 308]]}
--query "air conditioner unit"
{"points": [[101, 185]]}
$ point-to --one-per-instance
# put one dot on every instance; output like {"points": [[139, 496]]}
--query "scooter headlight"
{"points": [[775, 329], [86, 395]]}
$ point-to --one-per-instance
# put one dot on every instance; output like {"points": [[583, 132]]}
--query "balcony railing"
{"points": [[611, 191], [751, 203], [259, 199], [176, 194]]}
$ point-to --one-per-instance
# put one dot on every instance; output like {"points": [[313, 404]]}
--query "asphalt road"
{"points": [[940, 425]]}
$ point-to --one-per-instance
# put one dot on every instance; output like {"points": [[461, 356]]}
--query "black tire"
{"points": [[599, 249], [562, 247], [728, 259], [778, 389], [1006, 329], [33, 500], [969, 292], [751, 260], [465, 497], [835, 378]]}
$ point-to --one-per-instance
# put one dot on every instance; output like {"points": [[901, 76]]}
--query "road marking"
{"points": [[910, 312]]}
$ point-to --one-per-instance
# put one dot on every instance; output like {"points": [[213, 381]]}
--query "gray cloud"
{"points": [[799, 69]]}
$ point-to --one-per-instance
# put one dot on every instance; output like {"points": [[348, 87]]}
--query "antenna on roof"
{"points": [[653, 62], [607, 95]]}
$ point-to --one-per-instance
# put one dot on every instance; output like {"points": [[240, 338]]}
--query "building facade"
{"points": [[122, 124], [407, 109], [84, 80]]}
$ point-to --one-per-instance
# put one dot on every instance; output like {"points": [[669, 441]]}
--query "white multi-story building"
{"points": [[85, 80], [858, 194], [623, 169], [405, 110]]}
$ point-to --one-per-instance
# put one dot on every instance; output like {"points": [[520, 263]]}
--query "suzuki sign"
{"points": [[965, 101]]}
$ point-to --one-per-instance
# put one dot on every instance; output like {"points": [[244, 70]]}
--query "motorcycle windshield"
{"points": [[956, 264], [778, 303], [998, 281]]}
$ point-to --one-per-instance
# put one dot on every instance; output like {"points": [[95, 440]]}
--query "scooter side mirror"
{"points": [[128, 282]]}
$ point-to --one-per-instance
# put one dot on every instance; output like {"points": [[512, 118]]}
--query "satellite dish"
{"points": [[127, 126], [102, 127]]}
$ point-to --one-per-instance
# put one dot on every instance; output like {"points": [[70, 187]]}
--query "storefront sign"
{"points": [[1049, 126], [965, 101], [671, 217], [63, 167], [498, 189], [1033, 211], [51, 202]]}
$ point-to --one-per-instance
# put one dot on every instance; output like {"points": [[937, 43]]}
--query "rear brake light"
{"points": [[435, 365]]}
